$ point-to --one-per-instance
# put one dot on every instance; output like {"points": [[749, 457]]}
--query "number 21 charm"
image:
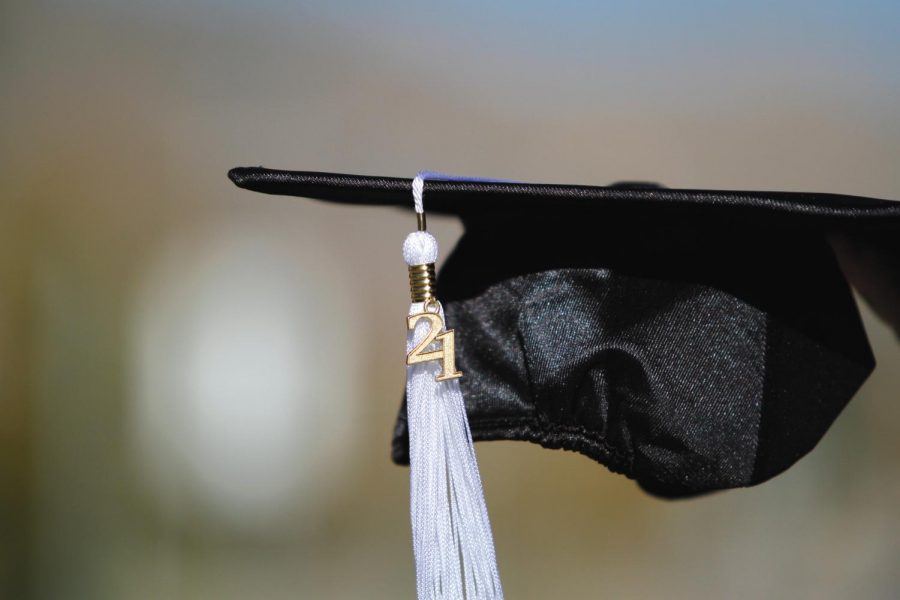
{"points": [[447, 352]]}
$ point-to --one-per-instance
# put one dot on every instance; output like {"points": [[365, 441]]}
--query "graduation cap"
{"points": [[693, 340]]}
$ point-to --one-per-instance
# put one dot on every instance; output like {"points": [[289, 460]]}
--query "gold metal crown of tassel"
{"points": [[422, 288]]}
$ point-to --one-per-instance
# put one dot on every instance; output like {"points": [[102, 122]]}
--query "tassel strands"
{"points": [[452, 540]]}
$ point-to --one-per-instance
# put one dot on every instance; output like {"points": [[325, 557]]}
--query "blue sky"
{"points": [[651, 46]]}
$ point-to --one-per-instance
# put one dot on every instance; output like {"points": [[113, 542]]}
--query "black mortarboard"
{"points": [[693, 340]]}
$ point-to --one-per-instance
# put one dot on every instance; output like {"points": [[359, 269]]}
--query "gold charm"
{"points": [[447, 352]]}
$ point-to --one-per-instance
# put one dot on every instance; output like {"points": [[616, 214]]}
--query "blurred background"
{"points": [[196, 392]]}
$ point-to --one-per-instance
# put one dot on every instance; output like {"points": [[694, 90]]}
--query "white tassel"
{"points": [[452, 541]]}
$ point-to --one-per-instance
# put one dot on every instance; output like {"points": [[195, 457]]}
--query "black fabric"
{"points": [[467, 198], [691, 340], [691, 360]]}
